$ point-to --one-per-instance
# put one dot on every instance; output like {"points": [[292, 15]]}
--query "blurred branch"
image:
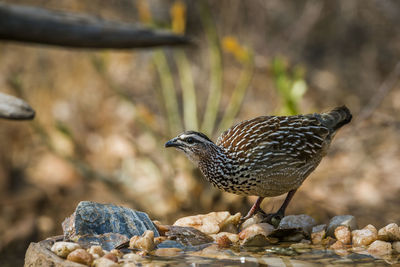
{"points": [[388, 84], [188, 91], [215, 93], [37, 25], [14, 108], [168, 92], [238, 95]]}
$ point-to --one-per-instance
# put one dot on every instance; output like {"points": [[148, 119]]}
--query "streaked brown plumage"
{"points": [[266, 156]]}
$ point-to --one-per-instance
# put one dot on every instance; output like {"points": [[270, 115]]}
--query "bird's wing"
{"points": [[275, 140]]}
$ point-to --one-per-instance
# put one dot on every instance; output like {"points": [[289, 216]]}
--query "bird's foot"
{"points": [[273, 218]]}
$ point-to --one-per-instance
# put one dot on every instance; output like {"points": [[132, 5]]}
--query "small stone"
{"points": [[365, 236], [160, 239], [258, 218], [104, 262], [80, 256], [234, 238], [390, 232], [328, 241], [207, 223], [162, 228], [294, 237], [144, 242], [300, 245], [380, 248], [343, 234], [62, 249], [256, 229], [96, 251], [337, 245], [117, 252], [396, 247], [302, 221], [111, 256], [318, 234], [346, 220], [132, 256], [256, 235], [231, 223], [167, 252], [223, 241]]}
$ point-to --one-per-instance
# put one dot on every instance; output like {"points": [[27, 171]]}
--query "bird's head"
{"points": [[195, 145]]}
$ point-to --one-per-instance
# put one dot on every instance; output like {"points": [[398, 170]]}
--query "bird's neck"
{"points": [[215, 164]]}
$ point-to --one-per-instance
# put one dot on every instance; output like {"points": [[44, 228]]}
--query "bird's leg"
{"points": [[271, 218], [254, 209]]}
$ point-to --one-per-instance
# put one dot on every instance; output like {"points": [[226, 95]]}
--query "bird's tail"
{"points": [[336, 118]]}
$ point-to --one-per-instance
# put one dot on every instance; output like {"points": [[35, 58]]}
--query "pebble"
{"points": [[256, 229], [346, 220], [162, 229], [231, 224], [210, 223], [234, 238], [294, 237], [96, 251], [258, 218], [223, 241], [256, 235], [380, 248], [111, 256], [104, 262], [160, 239], [62, 248], [390, 232], [80, 256], [396, 247], [144, 242], [167, 252], [343, 234], [303, 221], [328, 241], [365, 236], [337, 245], [117, 252], [318, 234]]}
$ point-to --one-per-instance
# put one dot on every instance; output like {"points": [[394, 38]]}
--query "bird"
{"points": [[266, 156]]}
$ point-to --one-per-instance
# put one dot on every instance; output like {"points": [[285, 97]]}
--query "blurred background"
{"points": [[103, 116]]}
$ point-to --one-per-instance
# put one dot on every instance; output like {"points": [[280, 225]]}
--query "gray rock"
{"points": [[14, 108], [346, 220], [318, 234], [106, 225], [302, 221]]}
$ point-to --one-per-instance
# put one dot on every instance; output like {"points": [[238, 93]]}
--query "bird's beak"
{"points": [[173, 143]]}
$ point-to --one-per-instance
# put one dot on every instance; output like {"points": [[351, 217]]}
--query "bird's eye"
{"points": [[190, 140]]}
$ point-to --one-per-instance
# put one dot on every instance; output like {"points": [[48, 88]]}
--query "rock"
{"points": [[189, 237], [92, 219], [62, 249], [161, 228], [365, 236], [255, 229], [318, 233], [39, 254], [167, 252], [258, 218], [96, 251], [132, 256], [144, 242], [256, 235], [328, 241], [107, 241], [396, 247], [380, 248], [337, 245], [346, 220], [117, 252], [343, 234], [111, 256], [223, 241], [303, 222], [160, 239], [80, 256], [390, 232], [231, 223], [104, 262], [294, 237], [173, 244], [210, 223], [234, 238]]}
